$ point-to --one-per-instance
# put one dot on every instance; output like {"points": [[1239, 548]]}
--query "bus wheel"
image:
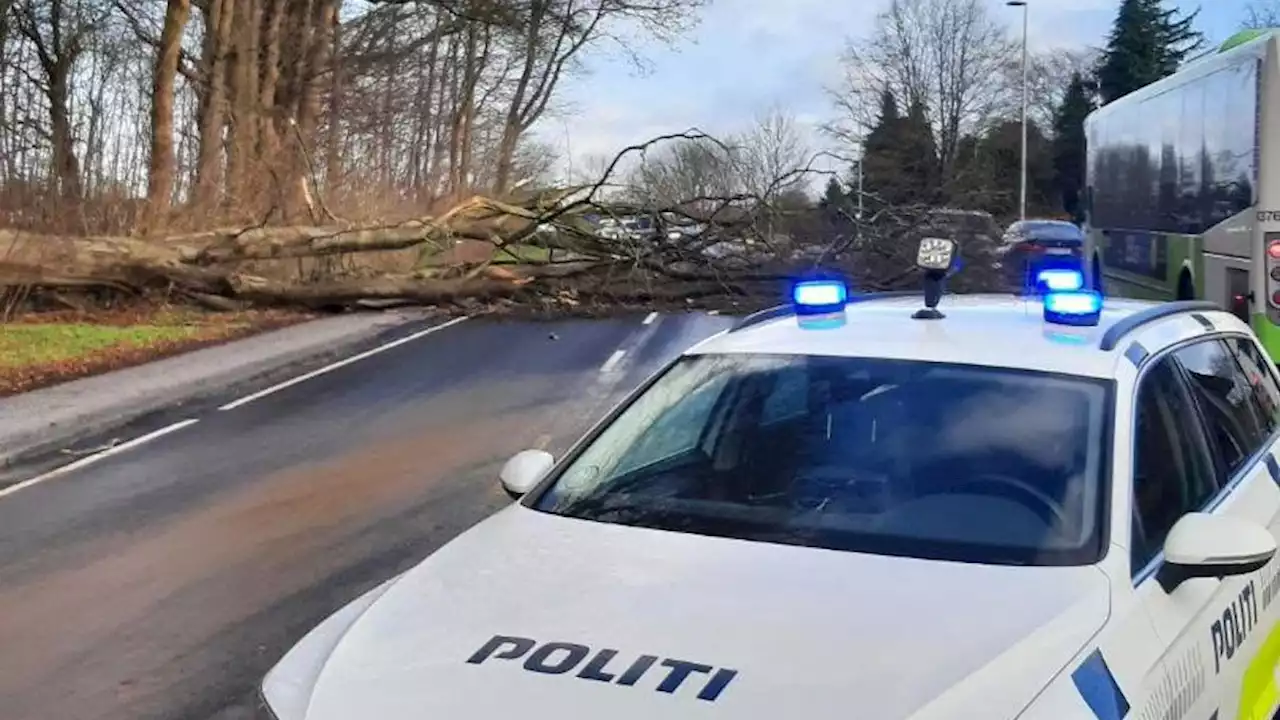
{"points": [[1186, 288]]}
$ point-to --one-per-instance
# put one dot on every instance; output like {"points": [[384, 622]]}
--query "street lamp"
{"points": [[1022, 188], [861, 158]]}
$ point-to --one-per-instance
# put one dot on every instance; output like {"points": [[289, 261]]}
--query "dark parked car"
{"points": [[1029, 246]]}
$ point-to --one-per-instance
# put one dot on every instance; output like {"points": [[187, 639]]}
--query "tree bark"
{"points": [[311, 67], [243, 85], [213, 100], [66, 167], [333, 165], [160, 178], [269, 138]]}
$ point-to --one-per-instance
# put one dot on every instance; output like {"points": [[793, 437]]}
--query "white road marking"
{"points": [[91, 459], [341, 363], [648, 320], [613, 360]]}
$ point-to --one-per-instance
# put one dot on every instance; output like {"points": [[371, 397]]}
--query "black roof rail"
{"points": [[760, 316], [782, 311], [1114, 334]]}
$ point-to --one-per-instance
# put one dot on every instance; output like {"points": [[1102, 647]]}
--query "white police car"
{"points": [[993, 507]]}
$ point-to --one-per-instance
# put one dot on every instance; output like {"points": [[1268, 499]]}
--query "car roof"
{"points": [[995, 330], [1031, 226]]}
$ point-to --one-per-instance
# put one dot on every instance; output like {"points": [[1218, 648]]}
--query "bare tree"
{"points": [[160, 178], [695, 173], [589, 168], [1263, 14], [237, 112], [58, 33], [947, 54], [768, 157], [1048, 75], [555, 32]]}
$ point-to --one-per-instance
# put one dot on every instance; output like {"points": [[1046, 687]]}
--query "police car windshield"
{"points": [[928, 460]]}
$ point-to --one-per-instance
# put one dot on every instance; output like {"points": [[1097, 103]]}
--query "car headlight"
{"points": [[286, 690]]}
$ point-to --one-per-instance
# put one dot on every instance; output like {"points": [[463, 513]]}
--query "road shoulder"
{"points": [[54, 418]]}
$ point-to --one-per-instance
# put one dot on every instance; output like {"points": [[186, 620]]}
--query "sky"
{"points": [[747, 56]]}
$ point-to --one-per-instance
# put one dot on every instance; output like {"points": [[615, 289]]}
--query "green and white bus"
{"points": [[1183, 186]]}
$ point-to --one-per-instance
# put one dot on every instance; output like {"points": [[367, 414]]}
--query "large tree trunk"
{"points": [[333, 164], [66, 169], [160, 178], [269, 139], [213, 101], [313, 61], [512, 121], [439, 125], [243, 138]]}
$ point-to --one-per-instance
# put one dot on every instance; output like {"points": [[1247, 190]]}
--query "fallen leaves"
{"points": [[42, 349]]}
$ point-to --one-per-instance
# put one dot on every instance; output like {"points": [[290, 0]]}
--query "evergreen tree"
{"points": [[1069, 145], [833, 197], [881, 136], [918, 155], [901, 155], [1147, 42], [998, 169], [882, 176]]}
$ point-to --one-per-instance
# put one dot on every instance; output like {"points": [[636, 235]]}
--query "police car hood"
{"points": [[774, 631]]}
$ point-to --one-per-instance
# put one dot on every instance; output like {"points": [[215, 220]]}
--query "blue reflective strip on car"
{"points": [[1273, 467], [1099, 689]]}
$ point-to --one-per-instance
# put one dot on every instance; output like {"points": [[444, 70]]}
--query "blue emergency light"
{"points": [[819, 297], [1073, 307], [1060, 280]]}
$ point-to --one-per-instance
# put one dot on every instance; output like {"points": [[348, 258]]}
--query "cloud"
{"points": [[749, 55]]}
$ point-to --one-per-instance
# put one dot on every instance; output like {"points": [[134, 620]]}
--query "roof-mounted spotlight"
{"points": [[935, 257]]}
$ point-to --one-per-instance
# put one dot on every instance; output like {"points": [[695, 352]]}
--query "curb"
{"points": [[78, 410]]}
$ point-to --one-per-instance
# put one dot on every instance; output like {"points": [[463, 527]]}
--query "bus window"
{"points": [[1190, 145], [1165, 152]]}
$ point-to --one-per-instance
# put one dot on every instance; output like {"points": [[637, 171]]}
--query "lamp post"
{"points": [[861, 158], [1022, 188]]}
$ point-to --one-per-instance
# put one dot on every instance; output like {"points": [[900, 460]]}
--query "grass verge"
{"points": [[43, 349]]}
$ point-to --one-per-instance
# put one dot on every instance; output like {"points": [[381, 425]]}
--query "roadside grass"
{"points": [[24, 345], [42, 349]]}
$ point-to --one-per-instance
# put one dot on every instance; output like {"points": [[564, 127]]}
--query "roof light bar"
{"points": [[1060, 280], [1073, 307]]}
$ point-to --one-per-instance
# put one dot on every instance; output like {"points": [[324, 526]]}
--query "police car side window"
{"points": [[1173, 472], [1237, 427], [1261, 375]]}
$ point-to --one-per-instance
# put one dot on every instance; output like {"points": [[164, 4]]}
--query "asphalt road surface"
{"points": [[164, 580]]}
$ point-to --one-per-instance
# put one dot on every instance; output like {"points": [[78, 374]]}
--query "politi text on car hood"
{"points": [[539, 616]]}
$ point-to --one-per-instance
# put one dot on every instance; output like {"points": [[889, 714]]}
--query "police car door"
{"points": [[1203, 443]]}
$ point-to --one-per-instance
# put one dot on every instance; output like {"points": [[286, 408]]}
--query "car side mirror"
{"points": [[1205, 545], [524, 470]]}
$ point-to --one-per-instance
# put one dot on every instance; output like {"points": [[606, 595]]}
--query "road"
{"points": [[164, 580]]}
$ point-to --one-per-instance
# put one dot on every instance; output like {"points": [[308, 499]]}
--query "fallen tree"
{"points": [[735, 247]]}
